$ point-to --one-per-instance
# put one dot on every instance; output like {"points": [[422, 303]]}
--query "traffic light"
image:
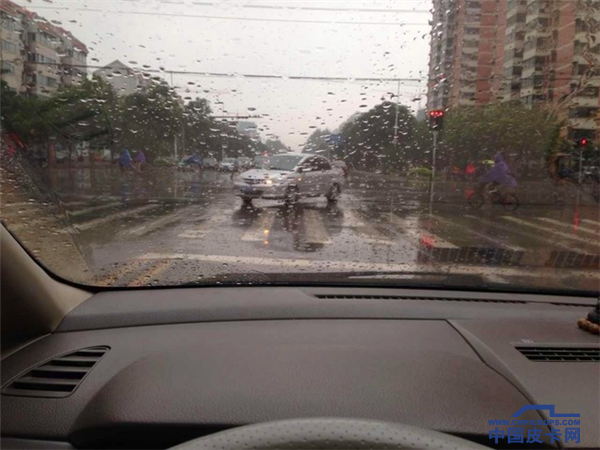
{"points": [[583, 142], [436, 119]]}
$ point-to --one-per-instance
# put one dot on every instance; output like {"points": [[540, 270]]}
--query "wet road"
{"points": [[170, 227]]}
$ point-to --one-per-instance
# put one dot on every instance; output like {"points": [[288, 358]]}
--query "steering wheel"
{"points": [[339, 434]]}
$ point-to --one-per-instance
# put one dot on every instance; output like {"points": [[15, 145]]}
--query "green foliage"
{"points": [[153, 121], [21, 115], [368, 139], [525, 136], [276, 146], [318, 141], [419, 172]]}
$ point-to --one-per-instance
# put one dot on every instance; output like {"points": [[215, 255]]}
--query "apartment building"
{"points": [[11, 46], [509, 55], [124, 79], [441, 61], [542, 53], [37, 56], [463, 49]]}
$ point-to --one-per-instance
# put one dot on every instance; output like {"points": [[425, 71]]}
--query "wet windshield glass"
{"points": [[283, 162], [447, 142]]}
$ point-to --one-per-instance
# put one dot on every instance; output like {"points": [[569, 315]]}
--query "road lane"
{"points": [[206, 231]]}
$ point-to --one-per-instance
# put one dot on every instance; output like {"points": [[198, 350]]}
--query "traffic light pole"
{"points": [[580, 165], [431, 183]]}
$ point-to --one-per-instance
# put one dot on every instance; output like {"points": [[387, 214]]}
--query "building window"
{"points": [[580, 25], [592, 92], [46, 81], [517, 18], [42, 38], [41, 59], [9, 24], [9, 47], [471, 30], [582, 113], [7, 67], [537, 62], [580, 69], [79, 55]]}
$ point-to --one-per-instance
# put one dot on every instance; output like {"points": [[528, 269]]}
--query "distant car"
{"points": [[342, 165], [165, 161], [290, 176], [244, 163], [210, 163], [228, 165]]}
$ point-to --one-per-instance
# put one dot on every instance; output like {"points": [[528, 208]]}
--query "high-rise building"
{"points": [[37, 56], [441, 60], [542, 53], [463, 52], [475, 48], [509, 54]]}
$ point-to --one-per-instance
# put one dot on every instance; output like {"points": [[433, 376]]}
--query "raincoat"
{"points": [[125, 159], [499, 173]]}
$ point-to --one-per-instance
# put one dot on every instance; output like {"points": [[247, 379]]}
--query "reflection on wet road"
{"points": [[170, 228]]}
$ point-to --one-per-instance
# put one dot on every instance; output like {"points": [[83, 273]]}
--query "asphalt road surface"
{"points": [[174, 228]]}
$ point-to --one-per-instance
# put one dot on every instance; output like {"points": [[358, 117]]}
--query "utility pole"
{"points": [[436, 123], [396, 120], [432, 182], [183, 137]]}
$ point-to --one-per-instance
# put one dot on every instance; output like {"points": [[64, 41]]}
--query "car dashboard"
{"points": [[153, 368]]}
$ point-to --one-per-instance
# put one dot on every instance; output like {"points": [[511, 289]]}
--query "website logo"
{"points": [[513, 430]]}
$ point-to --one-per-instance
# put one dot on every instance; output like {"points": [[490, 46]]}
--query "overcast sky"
{"points": [[287, 38]]}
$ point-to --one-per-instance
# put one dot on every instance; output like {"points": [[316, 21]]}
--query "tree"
{"points": [[21, 115], [317, 142], [81, 113], [201, 132], [149, 122], [369, 141], [275, 146], [525, 136]]}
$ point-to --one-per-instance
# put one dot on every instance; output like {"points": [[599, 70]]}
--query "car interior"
{"points": [[285, 366]]}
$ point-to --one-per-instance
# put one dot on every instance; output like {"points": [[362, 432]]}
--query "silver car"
{"points": [[290, 176]]}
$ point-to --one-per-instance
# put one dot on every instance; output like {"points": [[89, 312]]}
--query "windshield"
{"points": [[465, 135], [283, 162]]}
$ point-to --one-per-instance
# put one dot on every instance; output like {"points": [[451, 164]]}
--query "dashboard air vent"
{"points": [[562, 354], [401, 297], [58, 377]]}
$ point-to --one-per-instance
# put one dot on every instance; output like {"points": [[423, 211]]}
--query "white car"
{"points": [[290, 176], [228, 165]]}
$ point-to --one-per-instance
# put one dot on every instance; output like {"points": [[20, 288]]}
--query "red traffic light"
{"points": [[436, 119], [584, 142]]}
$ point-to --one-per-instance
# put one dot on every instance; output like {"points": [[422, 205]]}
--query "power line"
{"points": [[309, 8], [357, 10], [234, 75], [282, 77], [251, 19]]}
